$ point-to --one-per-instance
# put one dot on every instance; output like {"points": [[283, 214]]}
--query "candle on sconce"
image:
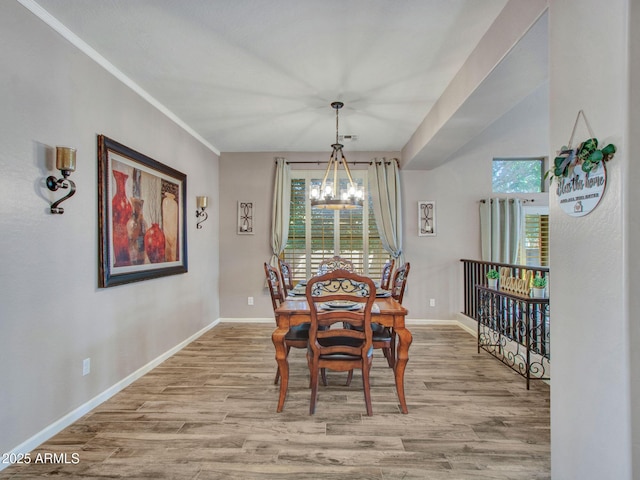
{"points": [[202, 202], [66, 159]]}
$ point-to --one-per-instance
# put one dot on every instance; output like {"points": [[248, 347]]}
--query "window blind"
{"points": [[315, 234], [535, 245]]}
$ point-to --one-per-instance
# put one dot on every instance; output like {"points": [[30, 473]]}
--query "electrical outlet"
{"points": [[86, 366], [432, 302], [250, 301]]}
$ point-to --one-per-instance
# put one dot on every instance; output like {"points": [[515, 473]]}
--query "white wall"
{"points": [[246, 177], [52, 315], [590, 387], [632, 220]]}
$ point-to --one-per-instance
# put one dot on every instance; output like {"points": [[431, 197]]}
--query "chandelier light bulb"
{"points": [[315, 192]]}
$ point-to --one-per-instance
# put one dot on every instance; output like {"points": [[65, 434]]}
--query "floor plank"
{"points": [[209, 412]]}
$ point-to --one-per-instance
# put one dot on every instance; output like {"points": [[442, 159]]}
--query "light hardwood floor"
{"points": [[209, 412]]}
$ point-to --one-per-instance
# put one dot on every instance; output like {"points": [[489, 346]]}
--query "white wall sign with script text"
{"points": [[580, 193]]}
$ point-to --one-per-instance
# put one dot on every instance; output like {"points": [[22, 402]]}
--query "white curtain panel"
{"points": [[280, 211], [500, 229], [386, 196]]}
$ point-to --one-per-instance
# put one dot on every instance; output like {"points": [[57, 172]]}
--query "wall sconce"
{"points": [[66, 163], [201, 203]]}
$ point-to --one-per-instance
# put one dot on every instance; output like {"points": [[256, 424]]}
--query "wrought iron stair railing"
{"points": [[513, 328]]}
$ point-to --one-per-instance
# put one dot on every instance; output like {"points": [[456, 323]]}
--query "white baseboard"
{"points": [[468, 324], [62, 423], [430, 321], [468, 327], [249, 320], [410, 321]]}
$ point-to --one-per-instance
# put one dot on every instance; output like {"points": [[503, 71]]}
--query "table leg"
{"points": [[281, 357], [404, 341]]}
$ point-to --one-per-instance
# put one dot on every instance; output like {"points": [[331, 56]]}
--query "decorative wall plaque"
{"points": [[245, 218], [426, 218], [580, 193], [580, 173]]}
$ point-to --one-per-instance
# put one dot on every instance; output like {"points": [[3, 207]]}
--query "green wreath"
{"points": [[587, 155]]}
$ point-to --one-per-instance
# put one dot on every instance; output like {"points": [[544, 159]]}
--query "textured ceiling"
{"points": [[257, 75]]}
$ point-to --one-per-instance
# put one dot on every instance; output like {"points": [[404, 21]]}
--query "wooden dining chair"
{"points": [[287, 276], [334, 299], [297, 336], [398, 286], [399, 282], [335, 263], [387, 270], [382, 336]]}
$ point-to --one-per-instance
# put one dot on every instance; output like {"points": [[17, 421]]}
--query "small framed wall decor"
{"points": [[426, 218], [245, 218]]}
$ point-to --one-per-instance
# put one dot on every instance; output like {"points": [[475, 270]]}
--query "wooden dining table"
{"points": [[386, 311]]}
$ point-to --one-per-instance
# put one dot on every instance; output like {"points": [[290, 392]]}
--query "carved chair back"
{"points": [[287, 276], [387, 270], [335, 263], [275, 285], [400, 282]]}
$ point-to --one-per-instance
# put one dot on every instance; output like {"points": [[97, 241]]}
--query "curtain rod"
{"points": [[524, 200], [323, 161], [318, 162]]}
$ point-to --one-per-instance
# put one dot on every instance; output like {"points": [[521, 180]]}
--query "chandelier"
{"points": [[328, 195]]}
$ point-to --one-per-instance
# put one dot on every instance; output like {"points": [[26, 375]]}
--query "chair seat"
{"points": [[342, 356], [380, 332], [352, 342], [299, 332], [383, 334], [376, 327]]}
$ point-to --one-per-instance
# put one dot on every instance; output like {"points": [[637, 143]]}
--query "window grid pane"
{"points": [[535, 245], [517, 175], [324, 227], [378, 256], [296, 252], [322, 239], [351, 243]]}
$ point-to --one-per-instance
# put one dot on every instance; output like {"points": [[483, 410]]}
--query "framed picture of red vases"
{"points": [[142, 211]]}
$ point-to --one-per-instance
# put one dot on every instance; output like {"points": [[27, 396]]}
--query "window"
{"points": [[316, 234], [534, 247], [518, 175]]}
